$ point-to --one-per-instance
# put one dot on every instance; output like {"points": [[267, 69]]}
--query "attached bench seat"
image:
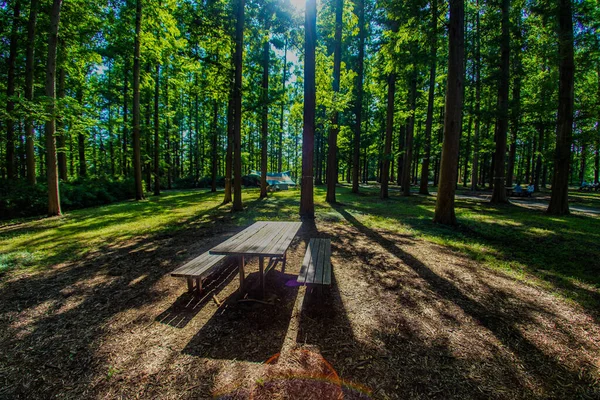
{"points": [[199, 269], [316, 267]]}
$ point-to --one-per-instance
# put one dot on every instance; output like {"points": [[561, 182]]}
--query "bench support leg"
{"points": [[190, 284], [198, 285], [261, 267], [283, 263], [241, 268]]}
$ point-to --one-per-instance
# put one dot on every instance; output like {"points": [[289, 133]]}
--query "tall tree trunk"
{"points": [[307, 206], [430, 101], [499, 193], [444, 208], [597, 153], [401, 136], [29, 77], [408, 144], [52, 169], [60, 138], [332, 167], [137, 163], [215, 158], [10, 92], [538, 164], [81, 137], [516, 109], [360, 4], [125, 120], [280, 144], [229, 153], [559, 203], [265, 117], [237, 109], [475, 171], [156, 133], [389, 130]]}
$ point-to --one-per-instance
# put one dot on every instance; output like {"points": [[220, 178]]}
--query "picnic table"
{"points": [[262, 239]]}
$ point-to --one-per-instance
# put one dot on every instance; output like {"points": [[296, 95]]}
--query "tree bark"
{"points": [[60, 138], [280, 146], [214, 138], [137, 163], [29, 78], [307, 207], [237, 108], [360, 4], [389, 130], [559, 203], [265, 117], [444, 208], [430, 102], [156, 133], [499, 193], [10, 92], [52, 169], [410, 129], [332, 167], [475, 170]]}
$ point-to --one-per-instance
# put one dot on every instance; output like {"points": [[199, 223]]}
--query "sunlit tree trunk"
{"points": [[389, 130], [332, 167], [237, 110], [156, 133], [214, 141], [559, 203], [430, 102], [265, 117], [229, 152], [283, 101], [410, 129], [499, 193], [444, 208], [52, 169], [307, 207], [475, 170], [29, 78], [137, 164], [359, 95]]}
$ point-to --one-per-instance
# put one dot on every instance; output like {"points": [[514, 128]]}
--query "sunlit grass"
{"points": [[527, 244]]}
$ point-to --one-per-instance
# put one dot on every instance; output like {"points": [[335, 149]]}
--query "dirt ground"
{"points": [[403, 319]]}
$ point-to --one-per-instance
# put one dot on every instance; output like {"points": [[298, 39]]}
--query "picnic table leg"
{"points": [[241, 268], [283, 264], [190, 284], [261, 267]]}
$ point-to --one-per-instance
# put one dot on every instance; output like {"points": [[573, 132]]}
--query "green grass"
{"points": [[560, 254]]}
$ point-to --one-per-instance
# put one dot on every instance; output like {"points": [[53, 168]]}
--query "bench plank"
{"points": [[316, 267], [199, 267]]}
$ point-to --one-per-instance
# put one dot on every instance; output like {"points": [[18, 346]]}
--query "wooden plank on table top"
{"points": [[244, 246], [233, 241], [327, 263], [259, 242], [318, 261], [305, 263], [271, 247], [314, 252], [282, 245]]}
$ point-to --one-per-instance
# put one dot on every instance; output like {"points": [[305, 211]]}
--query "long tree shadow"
{"points": [[550, 373]]}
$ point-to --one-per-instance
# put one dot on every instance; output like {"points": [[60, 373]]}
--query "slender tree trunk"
{"points": [[408, 144], [156, 133], [280, 144], [559, 204], [307, 207], [360, 4], [52, 169], [516, 109], [499, 193], [475, 171], [229, 153], [125, 120], [214, 138], [29, 78], [538, 164], [137, 163], [10, 92], [430, 101], [237, 110], [401, 136], [444, 208], [60, 138], [265, 117], [389, 130], [597, 153], [332, 168]]}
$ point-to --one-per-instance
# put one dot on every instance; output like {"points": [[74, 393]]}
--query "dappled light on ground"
{"points": [[494, 309]]}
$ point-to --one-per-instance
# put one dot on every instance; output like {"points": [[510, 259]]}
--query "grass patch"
{"points": [[559, 252]]}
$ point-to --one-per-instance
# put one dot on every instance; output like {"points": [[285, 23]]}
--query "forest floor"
{"points": [[504, 306]]}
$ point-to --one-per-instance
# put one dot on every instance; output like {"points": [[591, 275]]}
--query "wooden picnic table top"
{"points": [[263, 238]]}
